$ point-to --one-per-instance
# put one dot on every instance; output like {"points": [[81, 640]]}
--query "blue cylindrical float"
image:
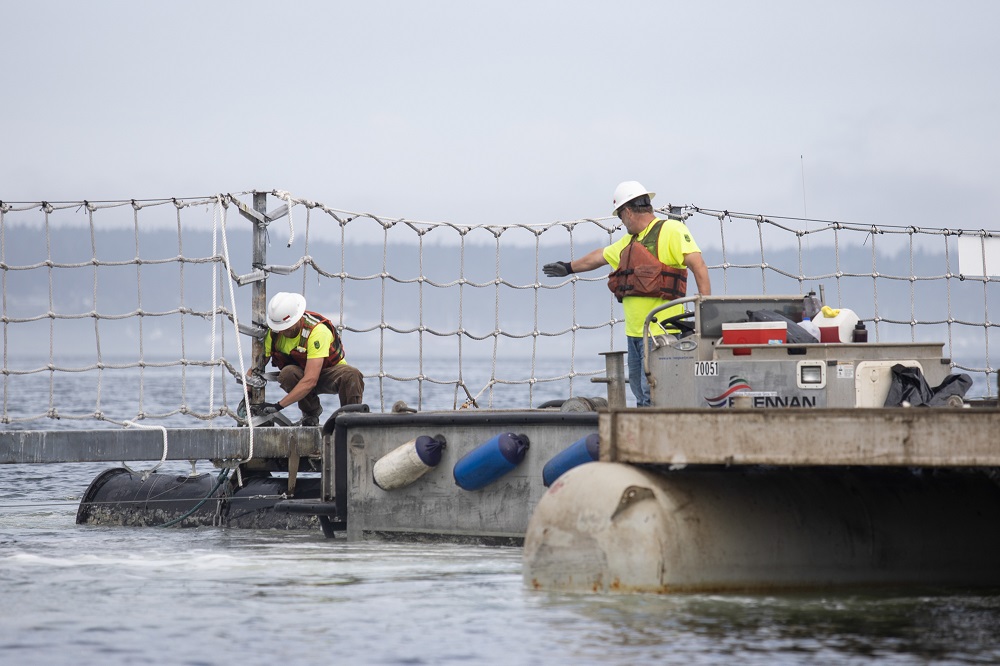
{"points": [[582, 451], [408, 462], [489, 461]]}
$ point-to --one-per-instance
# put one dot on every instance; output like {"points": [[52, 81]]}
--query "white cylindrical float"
{"points": [[408, 462], [613, 527]]}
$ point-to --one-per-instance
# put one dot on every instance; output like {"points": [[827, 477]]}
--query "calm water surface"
{"points": [[74, 594], [109, 595]]}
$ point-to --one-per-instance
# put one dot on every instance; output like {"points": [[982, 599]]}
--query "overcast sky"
{"points": [[506, 112]]}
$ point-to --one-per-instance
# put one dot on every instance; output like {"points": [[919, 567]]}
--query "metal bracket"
{"points": [[249, 213], [254, 276], [279, 270], [255, 331], [258, 217], [277, 213]]}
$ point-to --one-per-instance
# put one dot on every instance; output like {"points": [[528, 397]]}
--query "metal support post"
{"points": [[614, 362], [258, 305]]}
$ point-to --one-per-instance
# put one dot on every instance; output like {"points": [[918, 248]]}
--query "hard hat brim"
{"points": [[300, 309], [648, 194]]}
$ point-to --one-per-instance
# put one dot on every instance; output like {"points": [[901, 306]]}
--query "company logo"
{"points": [[761, 399], [736, 384]]}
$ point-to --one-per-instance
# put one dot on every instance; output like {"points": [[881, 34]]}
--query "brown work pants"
{"points": [[344, 380]]}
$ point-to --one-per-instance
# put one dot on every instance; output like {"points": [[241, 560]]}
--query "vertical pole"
{"points": [[258, 305], [614, 362]]}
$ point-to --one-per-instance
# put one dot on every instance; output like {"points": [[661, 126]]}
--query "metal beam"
{"points": [[59, 446], [277, 213], [256, 216]]}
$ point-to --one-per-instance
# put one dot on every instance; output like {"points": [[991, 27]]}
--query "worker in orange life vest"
{"points": [[308, 351], [650, 267]]}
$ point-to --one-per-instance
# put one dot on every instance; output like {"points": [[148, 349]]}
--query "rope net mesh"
{"points": [[124, 311]]}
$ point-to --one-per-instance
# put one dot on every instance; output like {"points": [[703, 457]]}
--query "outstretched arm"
{"points": [[696, 264], [587, 262]]}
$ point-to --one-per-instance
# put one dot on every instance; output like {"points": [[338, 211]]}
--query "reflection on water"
{"points": [[903, 626]]}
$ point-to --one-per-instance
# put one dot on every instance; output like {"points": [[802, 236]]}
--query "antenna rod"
{"points": [[805, 213]]}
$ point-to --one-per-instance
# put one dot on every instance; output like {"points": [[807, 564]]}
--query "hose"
{"points": [[218, 482]]}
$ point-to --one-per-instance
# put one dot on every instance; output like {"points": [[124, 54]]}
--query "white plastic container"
{"points": [[811, 328], [839, 328]]}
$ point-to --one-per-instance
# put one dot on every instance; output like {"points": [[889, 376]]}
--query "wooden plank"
{"points": [[884, 437]]}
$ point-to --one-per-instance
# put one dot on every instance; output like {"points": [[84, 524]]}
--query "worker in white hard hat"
{"points": [[306, 348], [650, 267]]}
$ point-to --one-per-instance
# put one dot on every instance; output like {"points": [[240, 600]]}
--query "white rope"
{"points": [[52, 322], [877, 318], [236, 327], [184, 365], [215, 310], [163, 456], [420, 328], [496, 316], [3, 285], [460, 331], [382, 322], [138, 287], [305, 251], [97, 320], [287, 198]]}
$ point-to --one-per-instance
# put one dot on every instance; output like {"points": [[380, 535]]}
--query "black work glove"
{"points": [[265, 408], [558, 269]]}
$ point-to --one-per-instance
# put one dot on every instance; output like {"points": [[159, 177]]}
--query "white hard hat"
{"points": [[625, 192], [285, 310]]}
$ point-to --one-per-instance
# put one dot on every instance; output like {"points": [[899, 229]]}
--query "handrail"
{"points": [[649, 318]]}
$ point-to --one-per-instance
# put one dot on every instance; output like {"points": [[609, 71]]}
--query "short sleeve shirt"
{"points": [[317, 345], [674, 242]]}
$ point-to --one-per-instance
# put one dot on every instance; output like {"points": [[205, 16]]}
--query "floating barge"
{"points": [[688, 500], [830, 488], [818, 486]]}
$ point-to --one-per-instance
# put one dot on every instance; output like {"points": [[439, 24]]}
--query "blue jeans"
{"points": [[636, 377]]}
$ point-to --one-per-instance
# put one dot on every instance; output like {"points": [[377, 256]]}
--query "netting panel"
{"points": [[445, 315]]}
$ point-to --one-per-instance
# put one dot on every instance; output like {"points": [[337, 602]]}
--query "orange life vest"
{"points": [[641, 273], [298, 355]]}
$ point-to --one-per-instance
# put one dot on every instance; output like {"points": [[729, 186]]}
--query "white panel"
{"points": [[872, 380], [970, 255]]}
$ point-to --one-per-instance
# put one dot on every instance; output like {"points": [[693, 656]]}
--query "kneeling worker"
{"points": [[305, 347]]}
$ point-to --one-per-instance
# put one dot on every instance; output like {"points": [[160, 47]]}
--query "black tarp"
{"points": [[909, 385]]}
